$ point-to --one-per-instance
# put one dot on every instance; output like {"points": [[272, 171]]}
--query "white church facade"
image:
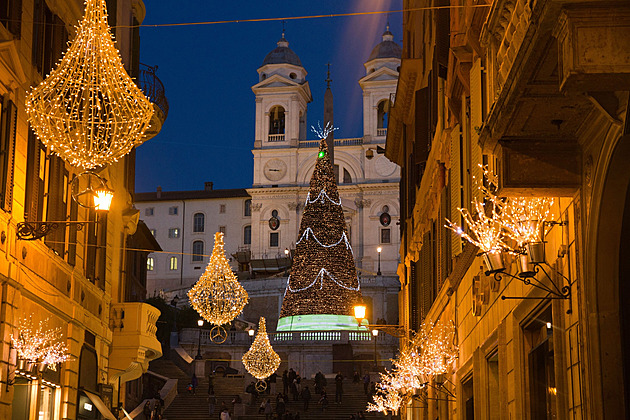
{"points": [[262, 222]]}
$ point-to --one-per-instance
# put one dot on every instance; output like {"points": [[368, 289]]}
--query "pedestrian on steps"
{"points": [[212, 402], [225, 414], [194, 382], [338, 388], [268, 409], [306, 397]]}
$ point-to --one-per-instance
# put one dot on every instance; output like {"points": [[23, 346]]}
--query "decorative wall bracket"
{"points": [[30, 231], [529, 278]]}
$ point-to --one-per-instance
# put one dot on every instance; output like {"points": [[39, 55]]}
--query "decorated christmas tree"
{"points": [[323, 286]]}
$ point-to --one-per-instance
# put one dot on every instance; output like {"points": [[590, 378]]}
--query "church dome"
{"points": [[387, 48], [282, 54]]}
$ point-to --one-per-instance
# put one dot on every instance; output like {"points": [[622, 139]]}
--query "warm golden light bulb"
{"points": [[103, 200], [359, 312]]}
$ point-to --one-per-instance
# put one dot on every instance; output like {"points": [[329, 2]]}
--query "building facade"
{"points": [[262, 223], [74, 279], [517, 86]]}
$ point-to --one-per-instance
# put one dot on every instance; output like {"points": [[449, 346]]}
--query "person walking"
{"points": [[306, 397], [194, 382], [225, 414], [146, 410], [366, 382], [285, 381], [323, 401], [212, 402], [338, 387], [268, 409]]}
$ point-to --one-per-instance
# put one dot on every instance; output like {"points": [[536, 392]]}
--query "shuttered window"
{"points": [[414, 298], [476, 122], [49, 38], [57, 209], [422, 141], [11, 16], [456, 184], [35, 178], [8, 132]]}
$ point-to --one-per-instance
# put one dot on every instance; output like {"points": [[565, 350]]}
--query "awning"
{"points": [[100, 405]]}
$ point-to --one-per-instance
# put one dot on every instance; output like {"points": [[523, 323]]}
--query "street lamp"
{"points": [[375, 334], [286, 252], [359, 313], [379, 249], [200, 324]]}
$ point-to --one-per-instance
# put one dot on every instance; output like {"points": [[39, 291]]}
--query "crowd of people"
{"points": [[281, 407]]}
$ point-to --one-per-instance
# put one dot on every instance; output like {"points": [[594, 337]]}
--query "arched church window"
{"points": [[347, 178], [276, 120]]}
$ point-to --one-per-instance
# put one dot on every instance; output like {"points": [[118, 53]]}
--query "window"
{"points": [[172, 263], [35, 179], [382, 114], [8, 120], [493, 385], [276, 120], [172, 210], [197, 248], [386, 236], [150, 263], [247, 235], [468, 398], [11, 16], [538, 338], [49, 37], [274, 239], [248, 207], [198, 222], [149, 211], [221, 208], [347, 178], [222, 229], [173, 233]]}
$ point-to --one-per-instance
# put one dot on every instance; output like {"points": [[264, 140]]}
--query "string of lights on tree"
{"points": [[496, 219], [88, 110], [432, 351], [218, 296], [261, 361], [39, 344], [323, 276]]}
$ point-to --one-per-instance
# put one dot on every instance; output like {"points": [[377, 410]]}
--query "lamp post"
{"points": [[359, 313], [198, 356], [379, 249], [251, 333], [374, 335]]}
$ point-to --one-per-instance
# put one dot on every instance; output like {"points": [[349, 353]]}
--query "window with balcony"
{"points": [[197, 248], [248, 207], [382, 116], [172, 264], [198, 222], [150, 263], [172, 210], [149, 211], [276, 124], [247, 235], [173, 233]]}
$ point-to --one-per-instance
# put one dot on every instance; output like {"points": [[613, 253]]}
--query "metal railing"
{"points": [[153, 87], [272, 138], [341, 142]]}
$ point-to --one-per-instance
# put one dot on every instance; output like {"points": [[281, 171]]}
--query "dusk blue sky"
{"points": [[208, 72]]}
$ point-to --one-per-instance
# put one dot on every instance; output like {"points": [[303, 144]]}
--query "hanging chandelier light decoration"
{"points": [[218, 296], [88, 110], [39, 344], [261, 361]]}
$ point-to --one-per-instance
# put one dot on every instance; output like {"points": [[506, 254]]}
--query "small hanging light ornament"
{"points": [[218, 296], [261, 361], [88, 110]]}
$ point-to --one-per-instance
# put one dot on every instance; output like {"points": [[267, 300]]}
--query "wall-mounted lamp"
{"points": [[89, 190]]}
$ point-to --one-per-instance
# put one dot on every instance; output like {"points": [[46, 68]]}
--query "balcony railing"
{"points": [[341, 142], [381, 132], [152, 86], [191, 336], [272, 138]]}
